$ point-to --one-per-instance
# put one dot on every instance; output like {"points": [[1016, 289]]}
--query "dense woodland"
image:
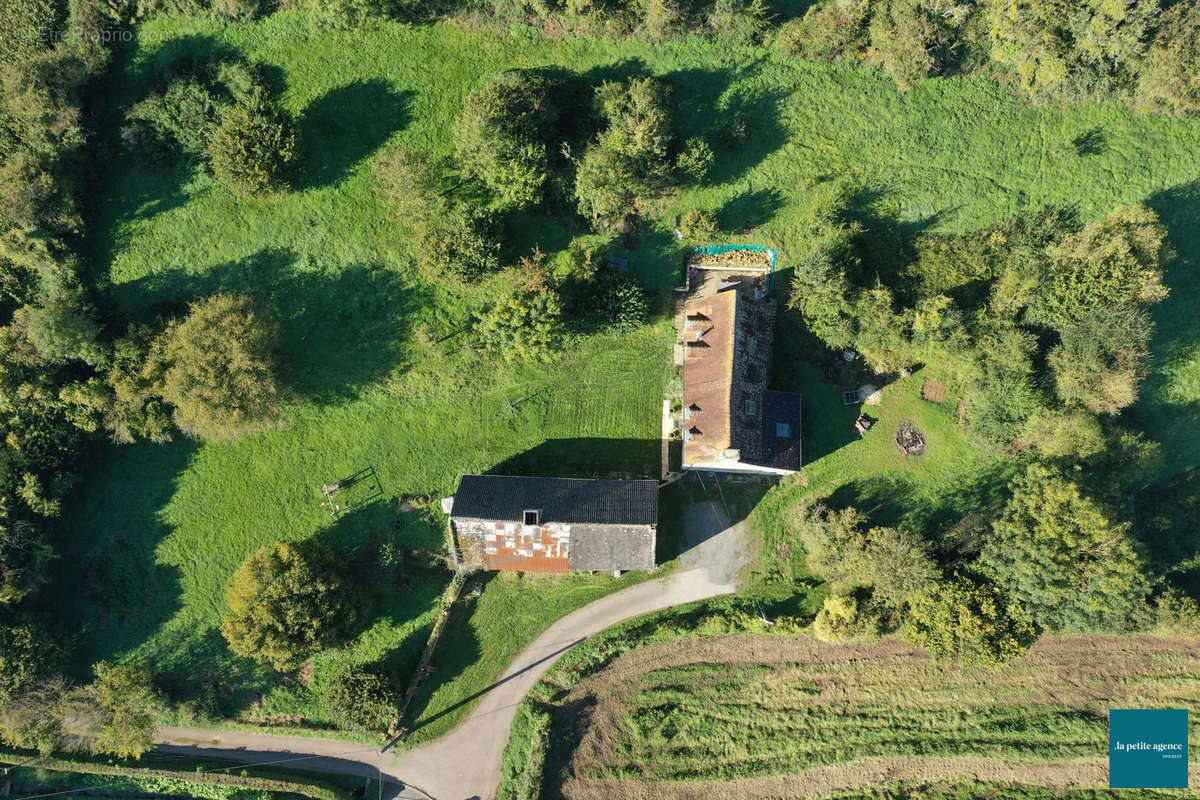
{"points": [[1041, 323]]}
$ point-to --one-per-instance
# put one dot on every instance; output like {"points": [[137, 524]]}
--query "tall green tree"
{"points": [[1063, 557], [630, 158], [502, 136], [219, 371], [1116, 260], [252, 148], [287, 601]]}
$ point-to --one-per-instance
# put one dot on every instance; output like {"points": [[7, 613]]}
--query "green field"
{"points": [[380, 373], [654, 710]]}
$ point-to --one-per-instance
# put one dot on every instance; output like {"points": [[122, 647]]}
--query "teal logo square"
{"points": [[1148, 748]]}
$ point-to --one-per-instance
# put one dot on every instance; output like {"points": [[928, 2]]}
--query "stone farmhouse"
{"points": [[555, 525], [731, 421]]}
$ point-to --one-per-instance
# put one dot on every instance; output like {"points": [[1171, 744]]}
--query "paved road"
{"points": [[465, 763]]}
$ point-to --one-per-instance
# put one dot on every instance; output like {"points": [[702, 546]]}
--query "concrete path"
{"points": [[725, 550], [465, 763]]}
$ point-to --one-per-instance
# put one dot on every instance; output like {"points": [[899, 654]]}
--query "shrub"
{"points": [[968, 621], [407, 183], [1102, 359], [695, 160], [362, 697], [252, 148], [345, 14], [287, 601], [619, 302], [844, 617], [1170, 82], [463, 244], [525, 322], [237, 9], [827, 31], [219, 371], [698, 226]]}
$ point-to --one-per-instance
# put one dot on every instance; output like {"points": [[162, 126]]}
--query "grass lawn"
{"points": [[376, 363]]}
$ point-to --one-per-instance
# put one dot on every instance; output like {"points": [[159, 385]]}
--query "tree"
{"points": [[525, 321], [362, 698], [186, 114], [287, 601], [220, 369], [629, 158], [252, 148], [135, 379], [125, 708], [1061, 556], [24, 553], [1102, 358], [893, 563], [969, 621], [502, 133], [1085, 46], [61, 330], [880, 333], [1170, 82], [1111, 261], [820, 292], [461, 245]]}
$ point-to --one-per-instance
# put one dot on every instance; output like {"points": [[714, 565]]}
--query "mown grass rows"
{"points": [[725, 721]]}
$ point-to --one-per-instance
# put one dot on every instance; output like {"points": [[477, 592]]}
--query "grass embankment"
{"points": [[755, 716], [374, 359]]}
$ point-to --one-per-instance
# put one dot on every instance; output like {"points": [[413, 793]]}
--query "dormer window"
{"points": [[533, 516]]}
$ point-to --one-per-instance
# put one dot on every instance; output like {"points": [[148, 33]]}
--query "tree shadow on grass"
{"points": [[339, 332], [741, 124], [112, 591], [749, 210], [587, 457], [345, 126], [1169, 404]]}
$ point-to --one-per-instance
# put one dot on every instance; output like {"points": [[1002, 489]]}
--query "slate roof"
{"points": [[781, 451], [570, 500]]}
